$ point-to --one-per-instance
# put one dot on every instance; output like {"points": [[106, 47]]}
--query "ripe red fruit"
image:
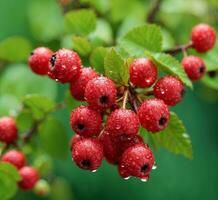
{"points": [[8, 130], [154, 115], [65, 66], [194, 67], [203, 37], [88, 154], [114, 146], [75, 139], [85, 121], [100, 93], [39, 60], [143, 72], [123, 121], [29, 177], [77, 87], [137, 161], [15, 158], [170, 89]]}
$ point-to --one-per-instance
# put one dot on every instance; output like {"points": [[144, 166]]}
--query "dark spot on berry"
{"points": [[31, 53], [86, 163], [80, 126], [104, 99], [212, 74], [182, 92], [202, 69], [144, 168], [162, 121], [52, 60]]}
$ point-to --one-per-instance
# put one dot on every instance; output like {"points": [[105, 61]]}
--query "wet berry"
{"points": [[75, 139]]}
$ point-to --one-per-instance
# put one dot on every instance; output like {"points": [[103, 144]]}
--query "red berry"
{"points": [[123, 121], [100, 93], [75, 139], [154, 115], [143, 72], [137, 161], [85, 121], [77, 87], [203, 37], [194, 67], [29, 177], [88, 154], [170, 89], [14, 157], [65, 66], [39, 60], [8, 130]]}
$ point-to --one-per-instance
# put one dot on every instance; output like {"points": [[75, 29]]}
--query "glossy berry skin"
{"points": [[15, 158], [123, 121], [39, 60], [75, 139], [65, 66], [85, 121], [77, 87], [100, 93], [194, 67], [203, 37], [88, 154], [143, 72], [29, 177], [137, 161], [8, 130], [170, 89], [154, 115], [114, 146]]}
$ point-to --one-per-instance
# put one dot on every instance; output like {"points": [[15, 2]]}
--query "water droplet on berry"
{"points": [[154, 167], [144, 179], [94, 170], [56, 80], [118, 127], [126, 178]]}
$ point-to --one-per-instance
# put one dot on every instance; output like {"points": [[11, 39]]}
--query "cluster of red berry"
{"points": [[9, 135], [108, 126]]}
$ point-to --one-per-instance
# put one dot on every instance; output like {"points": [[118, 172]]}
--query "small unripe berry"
{"points": [[170, 89], [154, 115], [42, 188], [29, 177], [194, 67], [15, 158], [100, 93], [88, 154], [123, 121], [39, 60], [137, 161], [85, 121], [65, 66], [143, 72], [203, 37], [77, 87], [8, 130]]}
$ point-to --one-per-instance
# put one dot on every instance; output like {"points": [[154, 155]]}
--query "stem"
{"points": [[125, 98], [133, 99], [153, 12], [179, 48]]}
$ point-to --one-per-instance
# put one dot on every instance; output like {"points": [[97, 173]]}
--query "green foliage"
{"points": [[82, 45], [211, 82]]}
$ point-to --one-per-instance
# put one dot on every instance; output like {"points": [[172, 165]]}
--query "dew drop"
{"points": [[144, 179], [126, 178], [56, 80], [94, 170], [154, 167]]}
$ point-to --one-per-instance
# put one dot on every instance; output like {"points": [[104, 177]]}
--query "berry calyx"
{"points": [[154, 115], [8, 130], [85, 121], [100, 93], [29, 177], [194, 67], [77, 87], [143, 72], [65, 66], [123, 121], [39, 60], [88, 154], [137, 161], [170, 89], [203, 37], [15, 158]]}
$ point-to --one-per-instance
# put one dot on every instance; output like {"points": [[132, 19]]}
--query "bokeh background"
{"points": [[40, 23]]}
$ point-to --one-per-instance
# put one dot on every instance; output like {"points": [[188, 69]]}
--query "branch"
{"points": [[154, 10], [178, 49]]}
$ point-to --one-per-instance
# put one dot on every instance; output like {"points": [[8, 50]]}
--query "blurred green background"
{"points": [[175, 177]]}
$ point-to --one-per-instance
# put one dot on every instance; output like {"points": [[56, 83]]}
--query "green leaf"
{"points": [[174, 138], [46, 19], [81, 45], [116, 68], [169, 65], [139, 39], [24, 120], [39, 105], [101, 5], [97, 59], [10, 104], [9, 49], [53, 138], [80, 22], [10, 170], [211, 82]]}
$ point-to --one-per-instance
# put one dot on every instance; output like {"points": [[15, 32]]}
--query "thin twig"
{"points": [[179, 48], [133, 99], [153, 12], [125, 98]]}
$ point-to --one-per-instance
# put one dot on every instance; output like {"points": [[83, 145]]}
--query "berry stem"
{"points": [[153, 12], [179, 48], [125, 98], [133, 99]]}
